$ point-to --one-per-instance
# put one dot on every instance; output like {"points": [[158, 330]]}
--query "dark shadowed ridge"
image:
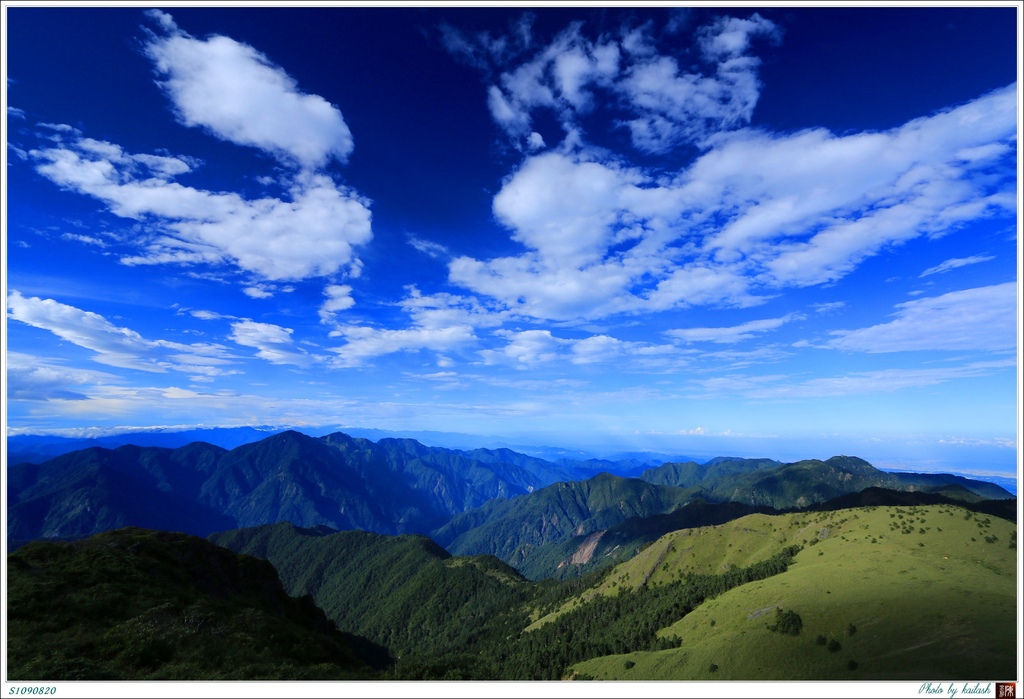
{"points": [[138, 604]]}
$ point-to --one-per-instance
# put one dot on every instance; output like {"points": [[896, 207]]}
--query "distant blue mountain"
{"points": [[36, 449], [391, 486]]}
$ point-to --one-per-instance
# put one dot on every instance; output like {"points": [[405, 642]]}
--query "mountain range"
{"points": [[517, 507], [395, 560]]}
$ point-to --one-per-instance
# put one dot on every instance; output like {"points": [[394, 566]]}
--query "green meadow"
{"points": [[895, 593]]}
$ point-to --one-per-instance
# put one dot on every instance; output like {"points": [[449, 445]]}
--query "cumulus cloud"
{"points": [[438, 322], [753, 213], [114, 345], [666, 104], [239, 95], [597, 349], [273, 342], [257, 292], [311, 234], [363, 343], [339, 298], [525, 348], [757, 212], [972, 319], [676, 105]]}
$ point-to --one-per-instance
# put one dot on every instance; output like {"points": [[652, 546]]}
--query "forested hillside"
{"points": [[866, 592], [405, 592], [137, 604]]}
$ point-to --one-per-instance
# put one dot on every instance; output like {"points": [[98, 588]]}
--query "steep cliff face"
{"points": [[585, 552]]}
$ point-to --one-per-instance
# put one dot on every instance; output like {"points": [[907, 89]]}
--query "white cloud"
{"points": [[39, 379], [438, 322], [755, 213], [530, 286], [980, 319], [703, 283], [666, 103], [772, 387], [257, 292], [569, 222], [339, 298], [241, 96], [677, 106], [86, 239], [955, 263], [730, 37], [274, 343], [1000, 442], [113, 345], [312, 234], [435, 250], [207, 315], [364, 343], [597, 349], [736, 333], [829, 307], [529, 348], [525, 348]]}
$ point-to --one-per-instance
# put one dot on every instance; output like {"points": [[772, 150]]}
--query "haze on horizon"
{"points": [[709, 231]]}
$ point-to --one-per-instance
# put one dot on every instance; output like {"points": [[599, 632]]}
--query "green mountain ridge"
{"points": [[485, 501], [394, 486], [147, 605], [404, 592], [512, 529], [875, 591], [882, 592], [564, 528]]}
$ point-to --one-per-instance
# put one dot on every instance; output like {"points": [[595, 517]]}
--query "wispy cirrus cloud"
{"points": [[972, 319], [736, 333], [427, 247], [956, 263], [117, 346], [527, 349], [786, 387], [41, 379]]}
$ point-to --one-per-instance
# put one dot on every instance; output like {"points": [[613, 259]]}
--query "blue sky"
{"points": [[788, 232]]}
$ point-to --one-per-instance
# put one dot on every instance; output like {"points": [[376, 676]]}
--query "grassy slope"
{"points": [[937, 604]]}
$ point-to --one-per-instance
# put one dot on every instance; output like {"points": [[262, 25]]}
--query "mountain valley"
{"points": [[434, 563]]}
